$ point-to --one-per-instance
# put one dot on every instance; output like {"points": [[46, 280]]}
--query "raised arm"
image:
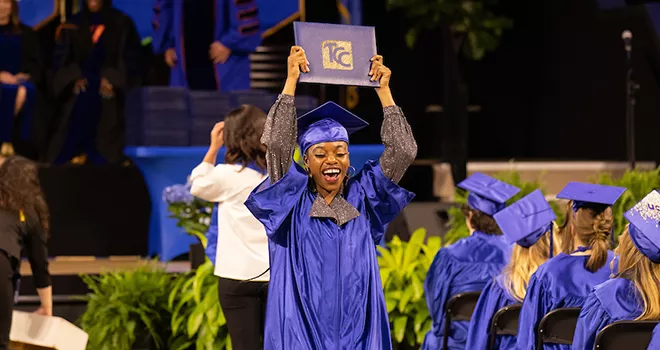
{"points": [[400, 146], [281, 130]]}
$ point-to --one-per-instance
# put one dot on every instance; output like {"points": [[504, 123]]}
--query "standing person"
{"points": [[23, 227], [207, 43], [20, 70], [634, 294], [96, 61], [324, 220], [241, 252], [529, 224], [469, 264], [566, 279]]}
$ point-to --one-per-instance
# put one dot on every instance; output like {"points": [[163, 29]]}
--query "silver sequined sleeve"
{"points": [[400, 146], [280, 136]]}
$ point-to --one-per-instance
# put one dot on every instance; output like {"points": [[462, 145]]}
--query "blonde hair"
{"points": [[524, 262], [644, 273], [593, 227], [563, 232]]}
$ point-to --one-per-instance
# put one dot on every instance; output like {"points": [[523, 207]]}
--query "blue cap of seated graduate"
{"points": [[586, 195], [644, 229], [487, 194], [337, 54], [328, 122], [526, 220]]}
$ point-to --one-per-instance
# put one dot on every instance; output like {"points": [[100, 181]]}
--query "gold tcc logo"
{"points": [[337, 54]]}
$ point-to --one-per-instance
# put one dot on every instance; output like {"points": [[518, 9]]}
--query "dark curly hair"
{"points": [[242, 136], [20, 189], [480, 221]]}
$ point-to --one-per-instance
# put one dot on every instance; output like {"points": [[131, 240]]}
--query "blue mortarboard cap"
{"points": [[586, 195], [337, 54], [644, 220], [526, 220], [328, 122], [487, 194]]}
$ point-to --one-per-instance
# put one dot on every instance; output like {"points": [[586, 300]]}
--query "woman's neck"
{"points": [[327, 196], [4, 21], [579, 243]]}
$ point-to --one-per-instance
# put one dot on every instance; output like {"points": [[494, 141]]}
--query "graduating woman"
{"points": [[325, 220], [469, 264], [528, 223], [566, 279], [239, 241], [96, 61], [634, 294], [20, 70], [23, 227]]}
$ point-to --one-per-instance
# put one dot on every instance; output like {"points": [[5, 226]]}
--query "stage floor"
{"points": [[67, 266]]}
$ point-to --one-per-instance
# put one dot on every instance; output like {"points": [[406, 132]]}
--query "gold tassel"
{"points": [[62, 11], [352, 97], [21, 216]]}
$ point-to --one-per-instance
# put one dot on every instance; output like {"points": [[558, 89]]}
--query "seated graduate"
{"points": [[529, 224], [325, 220], [469, 264], [634, 294], [20, 70], [566, 279], [96, 61]]}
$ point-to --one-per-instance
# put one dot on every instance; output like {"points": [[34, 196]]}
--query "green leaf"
{"points": [[421, 317], [411, 37], [391, 304], [405, 298], [400, 328], [414, 246], [195, 321]]}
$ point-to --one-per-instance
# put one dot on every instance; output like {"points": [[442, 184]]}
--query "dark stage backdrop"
{"points": [[553, 90]]}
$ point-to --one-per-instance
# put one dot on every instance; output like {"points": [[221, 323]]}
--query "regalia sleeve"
{"points": [[163, 25], [536, 304], [65, 67], [492, 299], [436, 288], [240, 30], [272, 204], [593, 317], [385, 198]]}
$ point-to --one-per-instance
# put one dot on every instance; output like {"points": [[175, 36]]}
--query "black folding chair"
{"points": [[557, 327], [459, 308], [628, 335], [505, 322]]}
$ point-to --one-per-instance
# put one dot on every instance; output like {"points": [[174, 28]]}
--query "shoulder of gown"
{"points": [[655, 341], [480, 248], [492, 299], [272, 204], [611, 301], [385, 198]]}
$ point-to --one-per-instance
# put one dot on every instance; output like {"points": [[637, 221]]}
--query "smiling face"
{"points": [[328, 163]]}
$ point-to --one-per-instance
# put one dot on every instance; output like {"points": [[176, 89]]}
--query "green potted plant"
{"points": [[127, 307], [403, 268]]}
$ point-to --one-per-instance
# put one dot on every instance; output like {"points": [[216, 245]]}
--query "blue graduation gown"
{"points": [[236, 27], [561, 282], [492, 299], [465, 266], [325, 290], [612, 301], [212, 235], [655, 341], [11, 49]]}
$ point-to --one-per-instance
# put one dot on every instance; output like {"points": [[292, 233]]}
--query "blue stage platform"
{"points": [[166, 166]]}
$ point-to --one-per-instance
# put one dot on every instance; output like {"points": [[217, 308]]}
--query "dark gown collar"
{"points": [[339, 210]]}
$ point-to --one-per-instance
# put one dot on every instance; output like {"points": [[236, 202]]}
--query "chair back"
{"points": [[505, 322], [459, 308], [557, 327], [629, 335]]}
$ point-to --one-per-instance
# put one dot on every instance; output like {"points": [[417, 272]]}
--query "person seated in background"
{"points": [[634, 294], [23, 228], [20, 69], [96, 61], [469, 264], [241, 246], [529, 224], [565, 280]]}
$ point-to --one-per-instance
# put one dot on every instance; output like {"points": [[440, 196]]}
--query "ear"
{"points": [[306, 161]]}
